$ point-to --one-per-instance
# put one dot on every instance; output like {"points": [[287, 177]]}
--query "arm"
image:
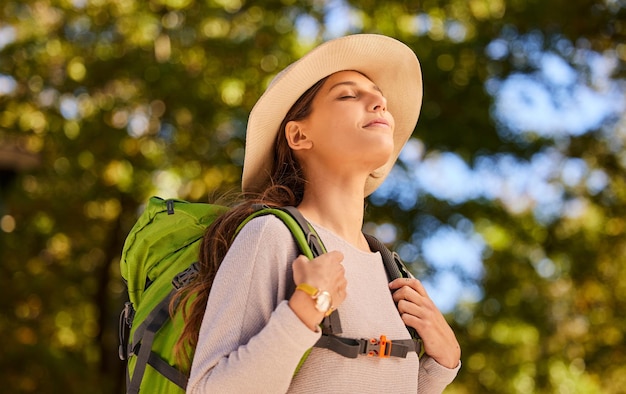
{"points": [[252, 337], [441, 362]]}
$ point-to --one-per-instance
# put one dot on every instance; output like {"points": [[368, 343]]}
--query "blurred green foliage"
{"points": [[118, 100]]}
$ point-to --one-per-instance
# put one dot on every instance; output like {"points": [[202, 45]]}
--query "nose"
{"points": [[379, 103]]}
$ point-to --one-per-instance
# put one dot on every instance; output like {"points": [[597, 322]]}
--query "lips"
{"points": [[377, 122]]}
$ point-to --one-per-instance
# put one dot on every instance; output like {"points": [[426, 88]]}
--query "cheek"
{"points": [[391, 120], [333, 129]]}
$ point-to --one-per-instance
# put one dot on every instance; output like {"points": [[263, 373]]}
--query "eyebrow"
{"points": [[351, 83]]}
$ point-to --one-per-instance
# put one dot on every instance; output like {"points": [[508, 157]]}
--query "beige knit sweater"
{"points": [[251, 341]]}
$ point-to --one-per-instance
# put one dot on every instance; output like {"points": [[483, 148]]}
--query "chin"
{"points": [[377, 162]]}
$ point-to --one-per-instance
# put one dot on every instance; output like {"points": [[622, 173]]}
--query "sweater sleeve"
{"points": [[250, 339], [434, 377]]}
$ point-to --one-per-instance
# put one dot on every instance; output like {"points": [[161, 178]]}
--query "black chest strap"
{"points": [[373, 347]]}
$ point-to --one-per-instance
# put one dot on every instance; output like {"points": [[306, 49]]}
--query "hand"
{"points": [[418, 311], [325, 273]]}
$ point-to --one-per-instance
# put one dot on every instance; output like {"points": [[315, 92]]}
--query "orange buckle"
{"points": [[379, 347]]}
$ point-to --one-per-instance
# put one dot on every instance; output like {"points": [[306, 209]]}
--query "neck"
{"points": [[338, 208]]}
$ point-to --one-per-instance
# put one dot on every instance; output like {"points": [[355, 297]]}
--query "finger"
{"points": [[408, 307], [299, 263], [301, 259], [398, 283], [408, 293], [333, 256], [412, 283], [410, 319], [399, 293], [299, 268]]}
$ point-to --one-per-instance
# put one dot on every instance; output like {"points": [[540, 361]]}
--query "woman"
{"points": [[347, 108]]}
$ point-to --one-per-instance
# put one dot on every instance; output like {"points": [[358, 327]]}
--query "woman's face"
{"points": [[349, 125]]}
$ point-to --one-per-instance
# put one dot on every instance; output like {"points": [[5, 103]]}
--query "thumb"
{"points": [[334, 256]]}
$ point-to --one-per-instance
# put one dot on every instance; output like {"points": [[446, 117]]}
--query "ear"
{"points": [[297, 137]]}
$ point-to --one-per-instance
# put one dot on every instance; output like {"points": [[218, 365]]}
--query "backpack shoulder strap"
{"points": [[311, 245], [145, 356], [394, 266], [304, 234], [313, 240], [395, 269]]}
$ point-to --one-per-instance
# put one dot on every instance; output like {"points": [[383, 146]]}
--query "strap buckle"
{"points": [[380, 347], [126, 322], [186, 276]]}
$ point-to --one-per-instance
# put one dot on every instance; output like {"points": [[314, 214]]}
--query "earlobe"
{"points": [[296, 136]]}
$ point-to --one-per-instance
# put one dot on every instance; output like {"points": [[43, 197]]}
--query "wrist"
{"points": [[323, 300], [300, 303], [450, 359]]}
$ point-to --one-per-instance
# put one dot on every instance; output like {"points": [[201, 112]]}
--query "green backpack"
{"points": [[159, 256]]}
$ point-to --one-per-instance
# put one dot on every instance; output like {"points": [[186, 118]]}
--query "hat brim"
{"points": [[387, 62]]}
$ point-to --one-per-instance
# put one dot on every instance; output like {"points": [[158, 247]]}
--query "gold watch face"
{"points": [[322, 302]]}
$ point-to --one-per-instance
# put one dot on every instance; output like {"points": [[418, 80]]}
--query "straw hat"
{"points": [[387, 62]]}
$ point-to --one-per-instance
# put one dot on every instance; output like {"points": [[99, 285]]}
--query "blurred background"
{"points": [[509, 201]]}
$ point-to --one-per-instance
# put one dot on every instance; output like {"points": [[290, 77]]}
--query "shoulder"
{"points": [[263, 247], [264, 224], [267, 230]]}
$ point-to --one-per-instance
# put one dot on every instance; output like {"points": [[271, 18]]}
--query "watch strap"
{"points": [[308, 289]]}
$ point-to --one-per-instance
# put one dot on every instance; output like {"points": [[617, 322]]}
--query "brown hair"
{"points": [[286, 188]]}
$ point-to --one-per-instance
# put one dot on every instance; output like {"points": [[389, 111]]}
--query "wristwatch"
{"points": [[322, 298]]}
